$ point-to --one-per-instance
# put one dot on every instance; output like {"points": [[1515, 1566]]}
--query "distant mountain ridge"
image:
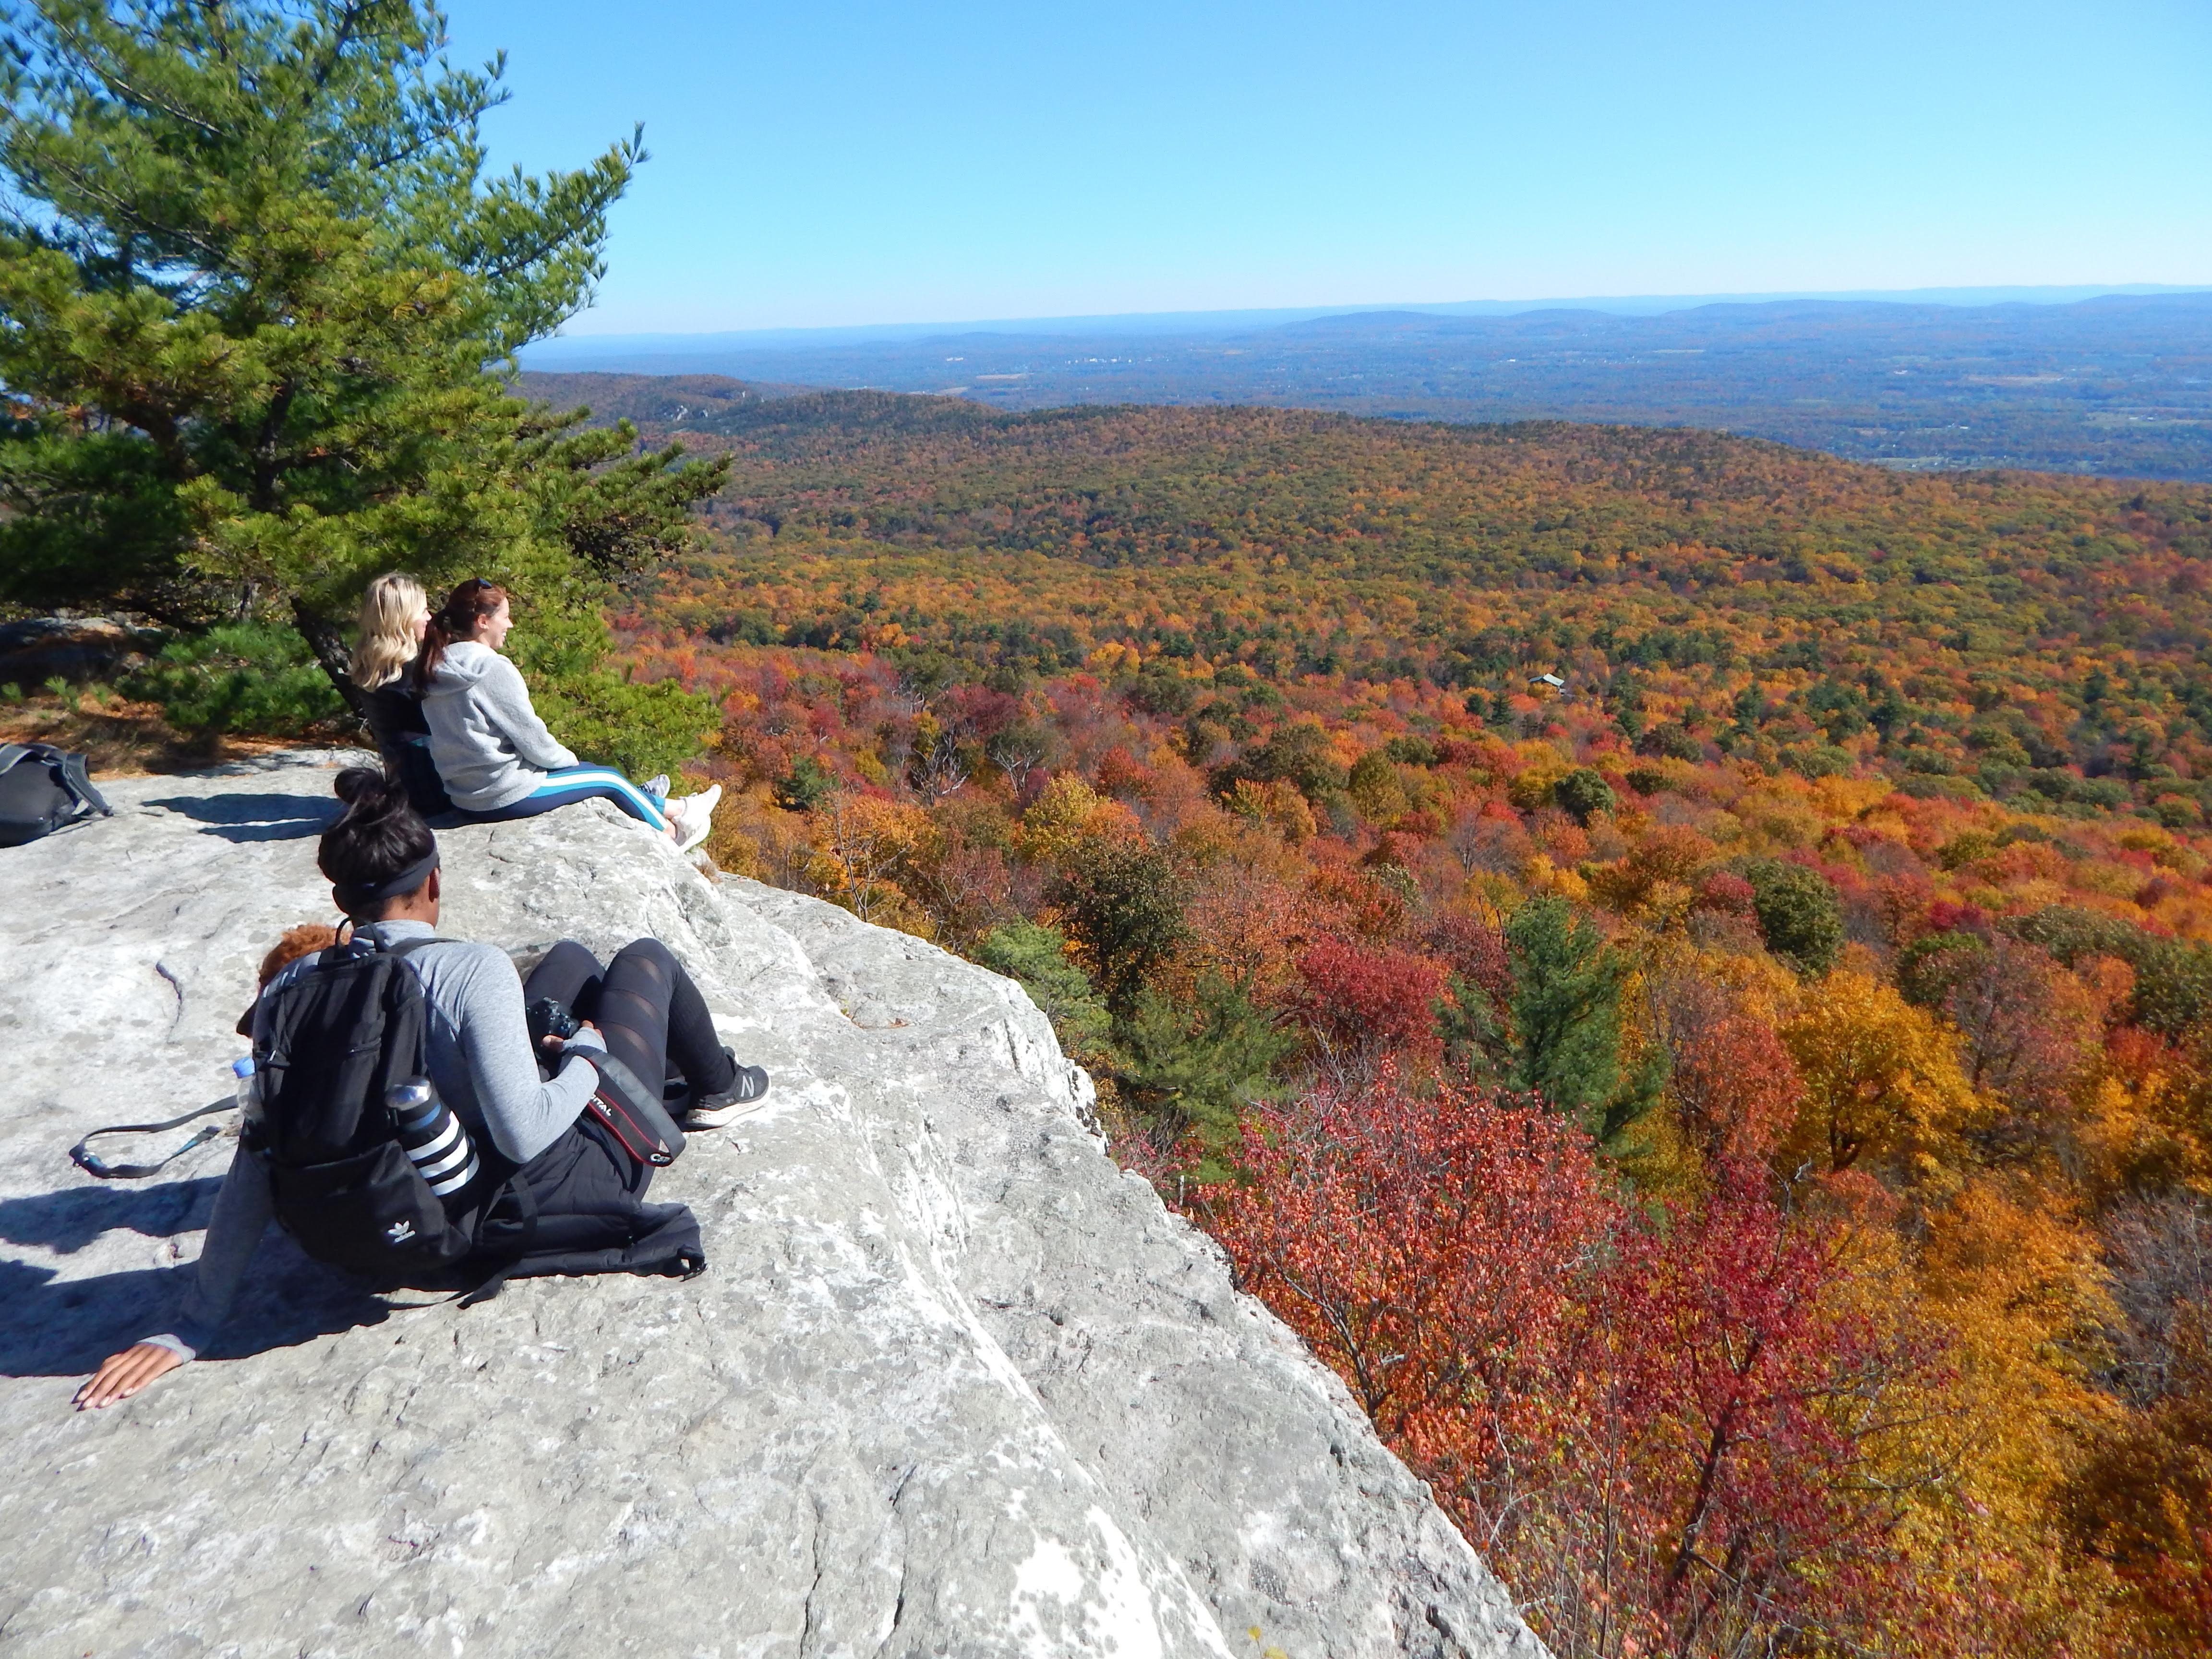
{"points": [[595, 350], [2116, 385]]}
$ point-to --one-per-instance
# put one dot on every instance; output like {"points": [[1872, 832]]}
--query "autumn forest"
{"points": [[1681, 966]]}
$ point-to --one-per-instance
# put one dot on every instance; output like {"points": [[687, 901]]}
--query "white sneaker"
{"points": [[694, 817], [657, 785], [680, 818]]}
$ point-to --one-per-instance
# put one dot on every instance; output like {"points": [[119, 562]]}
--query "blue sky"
{"points": [[841, 162]]}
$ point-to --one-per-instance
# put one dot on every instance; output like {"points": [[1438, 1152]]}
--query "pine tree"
{"points": [[258, 302], [1566, 1004]]}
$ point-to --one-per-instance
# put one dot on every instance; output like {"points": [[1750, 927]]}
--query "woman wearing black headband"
{"points": [[642, 1008]]}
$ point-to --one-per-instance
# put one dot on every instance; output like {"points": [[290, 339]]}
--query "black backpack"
{"points": [[41, 789], [338, 1038]]}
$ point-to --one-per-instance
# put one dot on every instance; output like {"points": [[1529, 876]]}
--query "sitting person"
{"points": [[496, 758], [530, 1125], [394, 615]]}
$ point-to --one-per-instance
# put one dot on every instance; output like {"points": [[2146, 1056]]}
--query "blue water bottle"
{"points": [[248, 1087]]}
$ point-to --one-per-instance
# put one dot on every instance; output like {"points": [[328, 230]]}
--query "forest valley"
{"points": [[1740, 1122]]}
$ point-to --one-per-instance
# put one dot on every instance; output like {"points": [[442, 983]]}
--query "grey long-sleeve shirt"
{"points": [[476, 1047], [490, 748]]}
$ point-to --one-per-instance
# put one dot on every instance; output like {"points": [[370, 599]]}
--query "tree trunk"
{"points": [[328, 643]]}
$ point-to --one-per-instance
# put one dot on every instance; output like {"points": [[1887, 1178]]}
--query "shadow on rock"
{"points": [[254, 817], [53, 1327], [67, 1221]]}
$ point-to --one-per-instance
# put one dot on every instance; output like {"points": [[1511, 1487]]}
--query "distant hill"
{"points": [[2119, 386], [688, 403], [1299, 542]]}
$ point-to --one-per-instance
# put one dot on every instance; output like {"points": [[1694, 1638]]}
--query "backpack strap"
{"points": [[78, 782], [527, 1201], [12, 752], [93, 1164]]}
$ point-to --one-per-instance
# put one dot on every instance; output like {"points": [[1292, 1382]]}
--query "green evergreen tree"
{"points": [[805, 788], [1202, 1062], [258, 302], [1584, 793], [1565, 1007], [1035, 956], [1122, 901], [1800, 916]]}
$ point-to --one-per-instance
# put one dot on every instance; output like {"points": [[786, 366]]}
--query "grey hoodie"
{"points": [[490, 747]]}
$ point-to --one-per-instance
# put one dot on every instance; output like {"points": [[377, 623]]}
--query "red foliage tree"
{"points": [[1736, 1086], [1773, 1472], [1671, 1432], [1725, 892], [1475, 950], [1120, 774], [1425, 1246], [1360, 1002]]}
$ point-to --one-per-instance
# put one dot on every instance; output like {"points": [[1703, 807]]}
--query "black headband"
{"points": [[362, 894]]}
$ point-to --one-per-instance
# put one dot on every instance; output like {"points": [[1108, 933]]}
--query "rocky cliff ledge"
{"points": [[953, 1383]]}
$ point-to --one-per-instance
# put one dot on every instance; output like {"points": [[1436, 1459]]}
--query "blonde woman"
{"points": [[394, 615]]}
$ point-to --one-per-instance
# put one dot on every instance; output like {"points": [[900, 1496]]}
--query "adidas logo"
{"points": [[400, 1231]]}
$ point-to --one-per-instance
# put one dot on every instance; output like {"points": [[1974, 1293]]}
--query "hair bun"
{"points": [[367, 792], [377, 840]]}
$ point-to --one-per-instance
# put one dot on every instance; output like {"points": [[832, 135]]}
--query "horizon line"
{"points": [[1178, 322]]}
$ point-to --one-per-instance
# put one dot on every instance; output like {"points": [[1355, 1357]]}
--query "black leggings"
{"points": [[652, 1015]]}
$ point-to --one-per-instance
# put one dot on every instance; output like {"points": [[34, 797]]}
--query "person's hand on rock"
{"points": [[123, 1375]]}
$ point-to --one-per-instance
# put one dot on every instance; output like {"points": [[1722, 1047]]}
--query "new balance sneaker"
{"points": [[744, 1092]]}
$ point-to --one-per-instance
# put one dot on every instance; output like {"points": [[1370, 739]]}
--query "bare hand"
{"points": [[123, 1374], [552, 1044]]}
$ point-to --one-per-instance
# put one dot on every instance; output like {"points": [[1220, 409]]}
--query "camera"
{"points": [[550, 1017]]}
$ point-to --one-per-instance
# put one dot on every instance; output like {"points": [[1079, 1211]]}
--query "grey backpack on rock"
{"points": [[41, 789]]}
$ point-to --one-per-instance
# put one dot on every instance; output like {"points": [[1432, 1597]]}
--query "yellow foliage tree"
{"points": [[1066, 815], [1279, 804], [862, 845], [2016, 1281], [1882, 1081]]}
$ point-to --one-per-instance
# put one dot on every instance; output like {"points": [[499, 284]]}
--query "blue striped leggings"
{"points": [[574, 783]]}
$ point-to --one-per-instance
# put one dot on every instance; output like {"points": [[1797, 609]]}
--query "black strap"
{"points": [[527, 1201], [78, 782], [93, 1164], [631, 1112]]}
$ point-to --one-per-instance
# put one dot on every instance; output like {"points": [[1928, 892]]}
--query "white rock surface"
{"points": [[953, 1385]]}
